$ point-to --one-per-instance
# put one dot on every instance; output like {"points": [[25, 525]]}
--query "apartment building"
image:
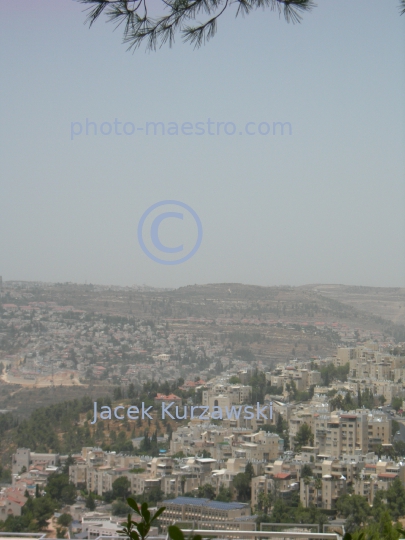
{"points": [[179, 483], [24, 458], [279, 483], [300, 417], [379, 431], [303, 378], [377, 476], [322, 492], [226, 395], [344, 356], [258, 446], [367, 362], [203, 511], [227, 440], [339, 432]]}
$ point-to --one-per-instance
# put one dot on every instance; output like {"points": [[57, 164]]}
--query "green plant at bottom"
{"points": [[177, 534], [379, 531], [139, 531]]}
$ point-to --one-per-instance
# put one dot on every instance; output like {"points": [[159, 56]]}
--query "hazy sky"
{"points": [[324, 204]]}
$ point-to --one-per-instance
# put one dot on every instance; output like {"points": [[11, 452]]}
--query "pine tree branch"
{"points": [[139, 28]]}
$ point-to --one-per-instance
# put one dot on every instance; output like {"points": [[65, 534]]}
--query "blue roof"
{"points": [[206, 502]]}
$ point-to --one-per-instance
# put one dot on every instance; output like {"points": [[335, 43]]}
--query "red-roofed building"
{"points": [[12, 501], [282, 476], [387, 476], [282, 480]]}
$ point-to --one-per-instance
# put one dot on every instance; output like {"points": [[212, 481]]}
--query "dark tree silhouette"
{"points": [[180, 15], [139, 26]]}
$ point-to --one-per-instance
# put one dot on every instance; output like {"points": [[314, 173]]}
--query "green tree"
{"points": [[318, 487], [120, 508], [90, 503], [206, 491], [40, 510], [396, 403], [306, 471], [280, 512], [60, 489], [108, 496], [121, 487], [367, 399], [155, 495], [61, 532], [265, 501], [69, 461], [117, 393], [69, 494], [241, 482], [65, 520], [379, 505], [383, 529], [399, 448], [224, 494], [291, 388], [395, 497], [131, 391], [304, 437], [355, 509], [249, 470]]}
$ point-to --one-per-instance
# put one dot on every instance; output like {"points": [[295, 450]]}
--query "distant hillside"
{"points": [[380, 310], [364, 305], [388, 303]]}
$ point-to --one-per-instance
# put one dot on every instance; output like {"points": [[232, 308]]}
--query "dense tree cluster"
{"points": [[261, 387], [349, 401], [287, 509], [40, 431], [37, 510], [331, 372], [388, 507], [7, 421]]}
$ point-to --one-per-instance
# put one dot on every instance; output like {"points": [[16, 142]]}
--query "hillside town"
{"points": [[43, 343], [335, 431]]}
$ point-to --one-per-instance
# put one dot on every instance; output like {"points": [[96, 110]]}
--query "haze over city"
{"points": [[322, 204]]}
